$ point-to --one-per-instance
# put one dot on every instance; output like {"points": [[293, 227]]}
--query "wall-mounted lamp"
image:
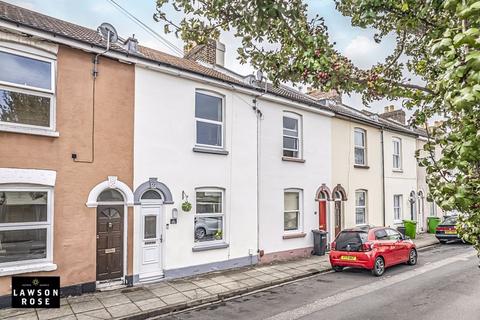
{"points": [[174, 218]]}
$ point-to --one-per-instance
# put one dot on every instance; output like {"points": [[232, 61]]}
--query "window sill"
{"points": [[361, 166], [211, 151], [293, 159], [294, 235], [32, 131], [206, 247], [398, 222], [397, 170], [46, 266]]}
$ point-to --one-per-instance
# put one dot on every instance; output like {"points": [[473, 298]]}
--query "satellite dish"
{"points": [[259, 75], [108, 32]]}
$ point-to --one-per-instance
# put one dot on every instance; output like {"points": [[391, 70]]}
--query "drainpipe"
{"points": [[383, 175], [94, 74], [258, 115]]}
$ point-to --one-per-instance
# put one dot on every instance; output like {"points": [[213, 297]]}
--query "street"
{"points": [[443, 285]]}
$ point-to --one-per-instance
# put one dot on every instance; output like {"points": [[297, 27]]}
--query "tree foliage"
{"points": [[438, 41]]}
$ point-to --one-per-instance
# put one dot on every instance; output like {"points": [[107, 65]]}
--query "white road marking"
{"points": [[366, 289]]}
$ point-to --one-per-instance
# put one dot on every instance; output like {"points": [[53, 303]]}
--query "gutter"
{"points": [[383, 177]]}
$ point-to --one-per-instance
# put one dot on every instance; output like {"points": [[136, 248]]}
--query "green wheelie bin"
{"points": [[410, 228], [432, 223]]}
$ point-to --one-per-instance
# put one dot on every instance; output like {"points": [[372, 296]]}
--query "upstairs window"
{"points": [[26, 90], [360, 147], [209, 119], [397, 154], [360, 206], [292, 135]]}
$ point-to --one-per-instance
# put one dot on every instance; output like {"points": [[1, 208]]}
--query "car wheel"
{"points": [[443, 241], [337, 269], [412, 257], [378, 267], [200, 233]]}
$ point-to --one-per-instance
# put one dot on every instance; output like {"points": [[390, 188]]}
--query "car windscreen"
{"points": [[449, 221], [350, 240]]}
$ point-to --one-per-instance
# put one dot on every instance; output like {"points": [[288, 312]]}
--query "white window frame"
{"points": [[48, 93], [365, 210], [362, 147], [221, 123], [300, 211], [398, 208], [397, 155], [31, 225], [299, 137], [210, 215], [433, 209]]}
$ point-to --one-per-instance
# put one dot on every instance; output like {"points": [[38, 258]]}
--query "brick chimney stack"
{"points": [[392, 114], [213, 52], [321, 95]]}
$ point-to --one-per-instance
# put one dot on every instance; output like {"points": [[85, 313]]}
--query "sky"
{"points": [[356, 43]]}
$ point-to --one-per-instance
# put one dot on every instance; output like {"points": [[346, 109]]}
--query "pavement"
{"points": [[167, 296]]}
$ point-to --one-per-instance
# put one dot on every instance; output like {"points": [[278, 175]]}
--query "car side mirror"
{"points": [[405, 237]]}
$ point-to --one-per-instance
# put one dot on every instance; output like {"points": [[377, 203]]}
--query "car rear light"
{"points": [[333, 245], [367, 246]]}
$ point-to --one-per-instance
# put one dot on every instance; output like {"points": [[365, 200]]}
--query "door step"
{"points": [[108, 285], [151, 279]]}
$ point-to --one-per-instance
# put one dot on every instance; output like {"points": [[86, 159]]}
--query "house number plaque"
{"points": [[111, 250]]}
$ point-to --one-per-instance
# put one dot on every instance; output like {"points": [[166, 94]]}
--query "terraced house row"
{"points": [[104, 144]]}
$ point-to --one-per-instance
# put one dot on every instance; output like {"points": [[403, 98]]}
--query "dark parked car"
{"points": [[447, 230]]}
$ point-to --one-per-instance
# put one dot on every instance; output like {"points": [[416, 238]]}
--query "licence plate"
{"points": [[450, 232], [349, 258]]}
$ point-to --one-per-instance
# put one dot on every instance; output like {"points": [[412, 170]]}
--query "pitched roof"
{"points": [[32, 19], [28, 18]]}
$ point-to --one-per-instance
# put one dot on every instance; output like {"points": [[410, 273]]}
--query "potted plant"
{"points": [[186, 206]]}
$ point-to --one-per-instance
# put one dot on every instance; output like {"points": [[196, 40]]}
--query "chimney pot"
{"points": [[131, 44]]}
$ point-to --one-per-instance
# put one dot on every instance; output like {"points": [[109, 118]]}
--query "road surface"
{"points": [[445, 284]]}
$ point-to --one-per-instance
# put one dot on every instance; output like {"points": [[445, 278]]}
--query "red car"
{"points": [[372, 248]]}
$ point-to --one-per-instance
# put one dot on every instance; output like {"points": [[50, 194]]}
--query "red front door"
{"points": [[322, 223]]}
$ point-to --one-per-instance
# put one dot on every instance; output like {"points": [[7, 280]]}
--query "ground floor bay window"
{"points": [[209, 216], [25, 226]]}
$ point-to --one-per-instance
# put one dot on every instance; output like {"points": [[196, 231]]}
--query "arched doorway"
{"points": [[413, 205], [421, 210], [110, 198], [339, 196], [322, 196], [151, 195], [110, 233]]}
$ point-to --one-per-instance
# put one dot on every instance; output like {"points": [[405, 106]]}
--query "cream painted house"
{"points": [[356, 170]]}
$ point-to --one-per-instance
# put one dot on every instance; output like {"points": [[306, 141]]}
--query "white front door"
{"points": [[151, 239]]}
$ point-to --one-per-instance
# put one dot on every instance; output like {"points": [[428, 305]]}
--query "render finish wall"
{"points": [[74, 231], [164, 139], [400, 181], [276, 175], [353, 178]]}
